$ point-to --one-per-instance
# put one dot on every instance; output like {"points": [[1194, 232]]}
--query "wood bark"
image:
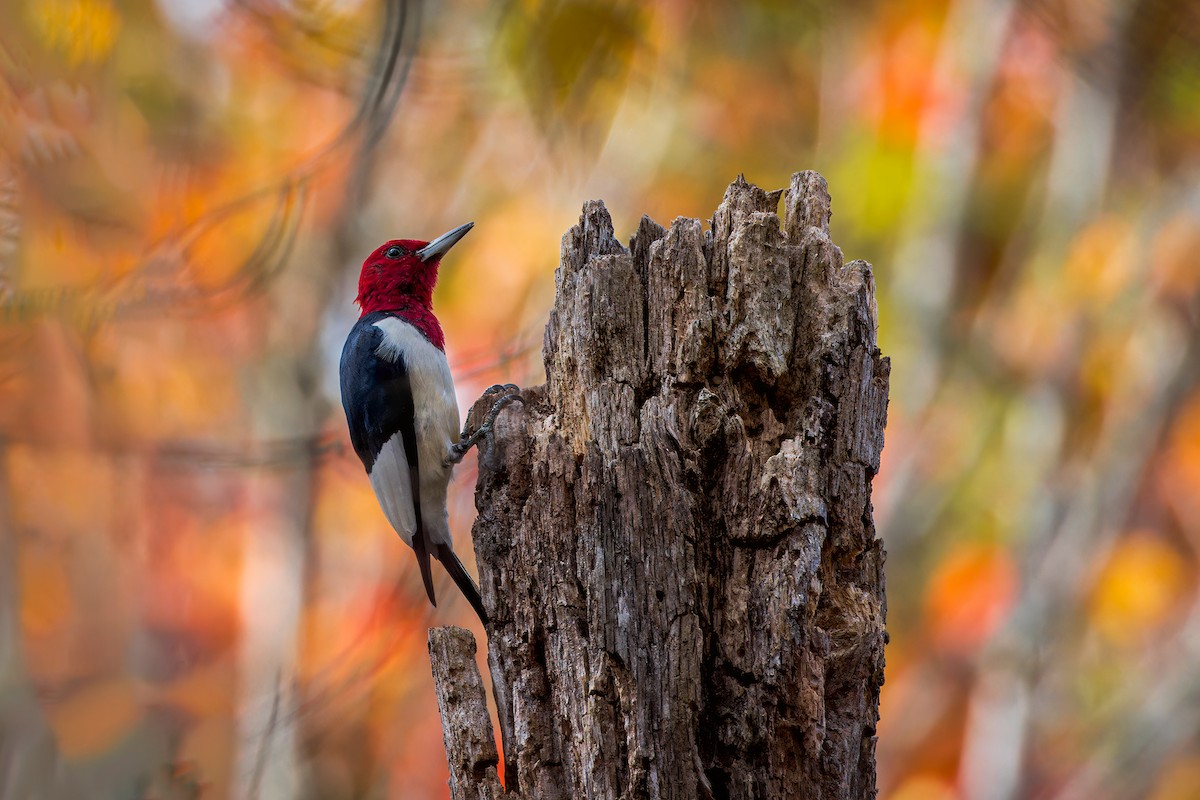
{"points": [[470, 743], [674, 533]]}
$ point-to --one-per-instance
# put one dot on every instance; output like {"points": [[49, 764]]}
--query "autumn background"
{"points": [[198, 593]]}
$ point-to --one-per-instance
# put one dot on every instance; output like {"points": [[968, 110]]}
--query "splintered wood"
{"points": [[674, 533]]}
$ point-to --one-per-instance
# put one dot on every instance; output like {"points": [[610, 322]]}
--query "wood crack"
{"points": [[692, 490]]}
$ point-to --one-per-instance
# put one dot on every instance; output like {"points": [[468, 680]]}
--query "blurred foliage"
{"points": [[572, 60], [198, 594]]}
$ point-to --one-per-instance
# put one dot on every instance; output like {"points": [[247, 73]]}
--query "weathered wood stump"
{"points": [[674, 533]]}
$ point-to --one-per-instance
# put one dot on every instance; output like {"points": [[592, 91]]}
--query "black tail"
{"points": [[466, 583], [418, 542]]}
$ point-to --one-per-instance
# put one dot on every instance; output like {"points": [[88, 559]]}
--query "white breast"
{"points": [[428, 374]]}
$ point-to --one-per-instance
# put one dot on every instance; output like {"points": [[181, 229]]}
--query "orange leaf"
{"points": [[1173, 256], [45, 591], [96, 717], [970, 595]]}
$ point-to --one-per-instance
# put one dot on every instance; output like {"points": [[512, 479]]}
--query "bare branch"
{"points": [[470, 742]]}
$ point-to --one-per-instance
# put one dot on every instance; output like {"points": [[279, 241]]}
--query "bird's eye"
{"points": [[394, 252]]}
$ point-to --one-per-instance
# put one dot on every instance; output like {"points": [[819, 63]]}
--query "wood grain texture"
{"points": [[675, 531], [466, 727]]}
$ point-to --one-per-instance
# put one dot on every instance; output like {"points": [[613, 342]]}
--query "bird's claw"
{"points": [[469, 439], [508, 388]]}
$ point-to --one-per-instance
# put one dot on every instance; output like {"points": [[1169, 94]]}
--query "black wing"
{"points": [[377, 398]]}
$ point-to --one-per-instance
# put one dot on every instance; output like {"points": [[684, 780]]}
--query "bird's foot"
{"points": [[469, 439]]}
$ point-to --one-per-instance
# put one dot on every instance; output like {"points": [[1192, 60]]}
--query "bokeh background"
{"points": [[198, 594]]}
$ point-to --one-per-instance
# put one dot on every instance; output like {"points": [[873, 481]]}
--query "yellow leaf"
{"points": [[1102, 260], [83, 30], [1138, 588], [572, 58]]}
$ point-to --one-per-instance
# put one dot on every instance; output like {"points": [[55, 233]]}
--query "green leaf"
{"points": [[572, 60]]}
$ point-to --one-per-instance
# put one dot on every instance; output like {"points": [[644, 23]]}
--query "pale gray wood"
{"points": [[675, 533], [466, 726]]}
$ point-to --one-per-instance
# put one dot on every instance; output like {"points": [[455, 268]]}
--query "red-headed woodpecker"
{"points": [[399, 401]]}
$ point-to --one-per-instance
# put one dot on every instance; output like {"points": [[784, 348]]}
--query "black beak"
{"points": [[439, 246]]}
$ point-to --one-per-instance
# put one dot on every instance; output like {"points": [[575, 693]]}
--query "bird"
{"points": [[399, 399]]}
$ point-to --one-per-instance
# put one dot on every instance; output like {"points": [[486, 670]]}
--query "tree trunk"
{"points": [[675, 532]]}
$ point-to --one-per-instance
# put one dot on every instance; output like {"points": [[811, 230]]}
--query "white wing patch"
{"points": [[389, 479]]}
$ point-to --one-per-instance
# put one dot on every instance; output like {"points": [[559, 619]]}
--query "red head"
{"points": [[400, 275]]}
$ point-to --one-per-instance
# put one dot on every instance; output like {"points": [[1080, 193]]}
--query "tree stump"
{"points": [[674, 533]]}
